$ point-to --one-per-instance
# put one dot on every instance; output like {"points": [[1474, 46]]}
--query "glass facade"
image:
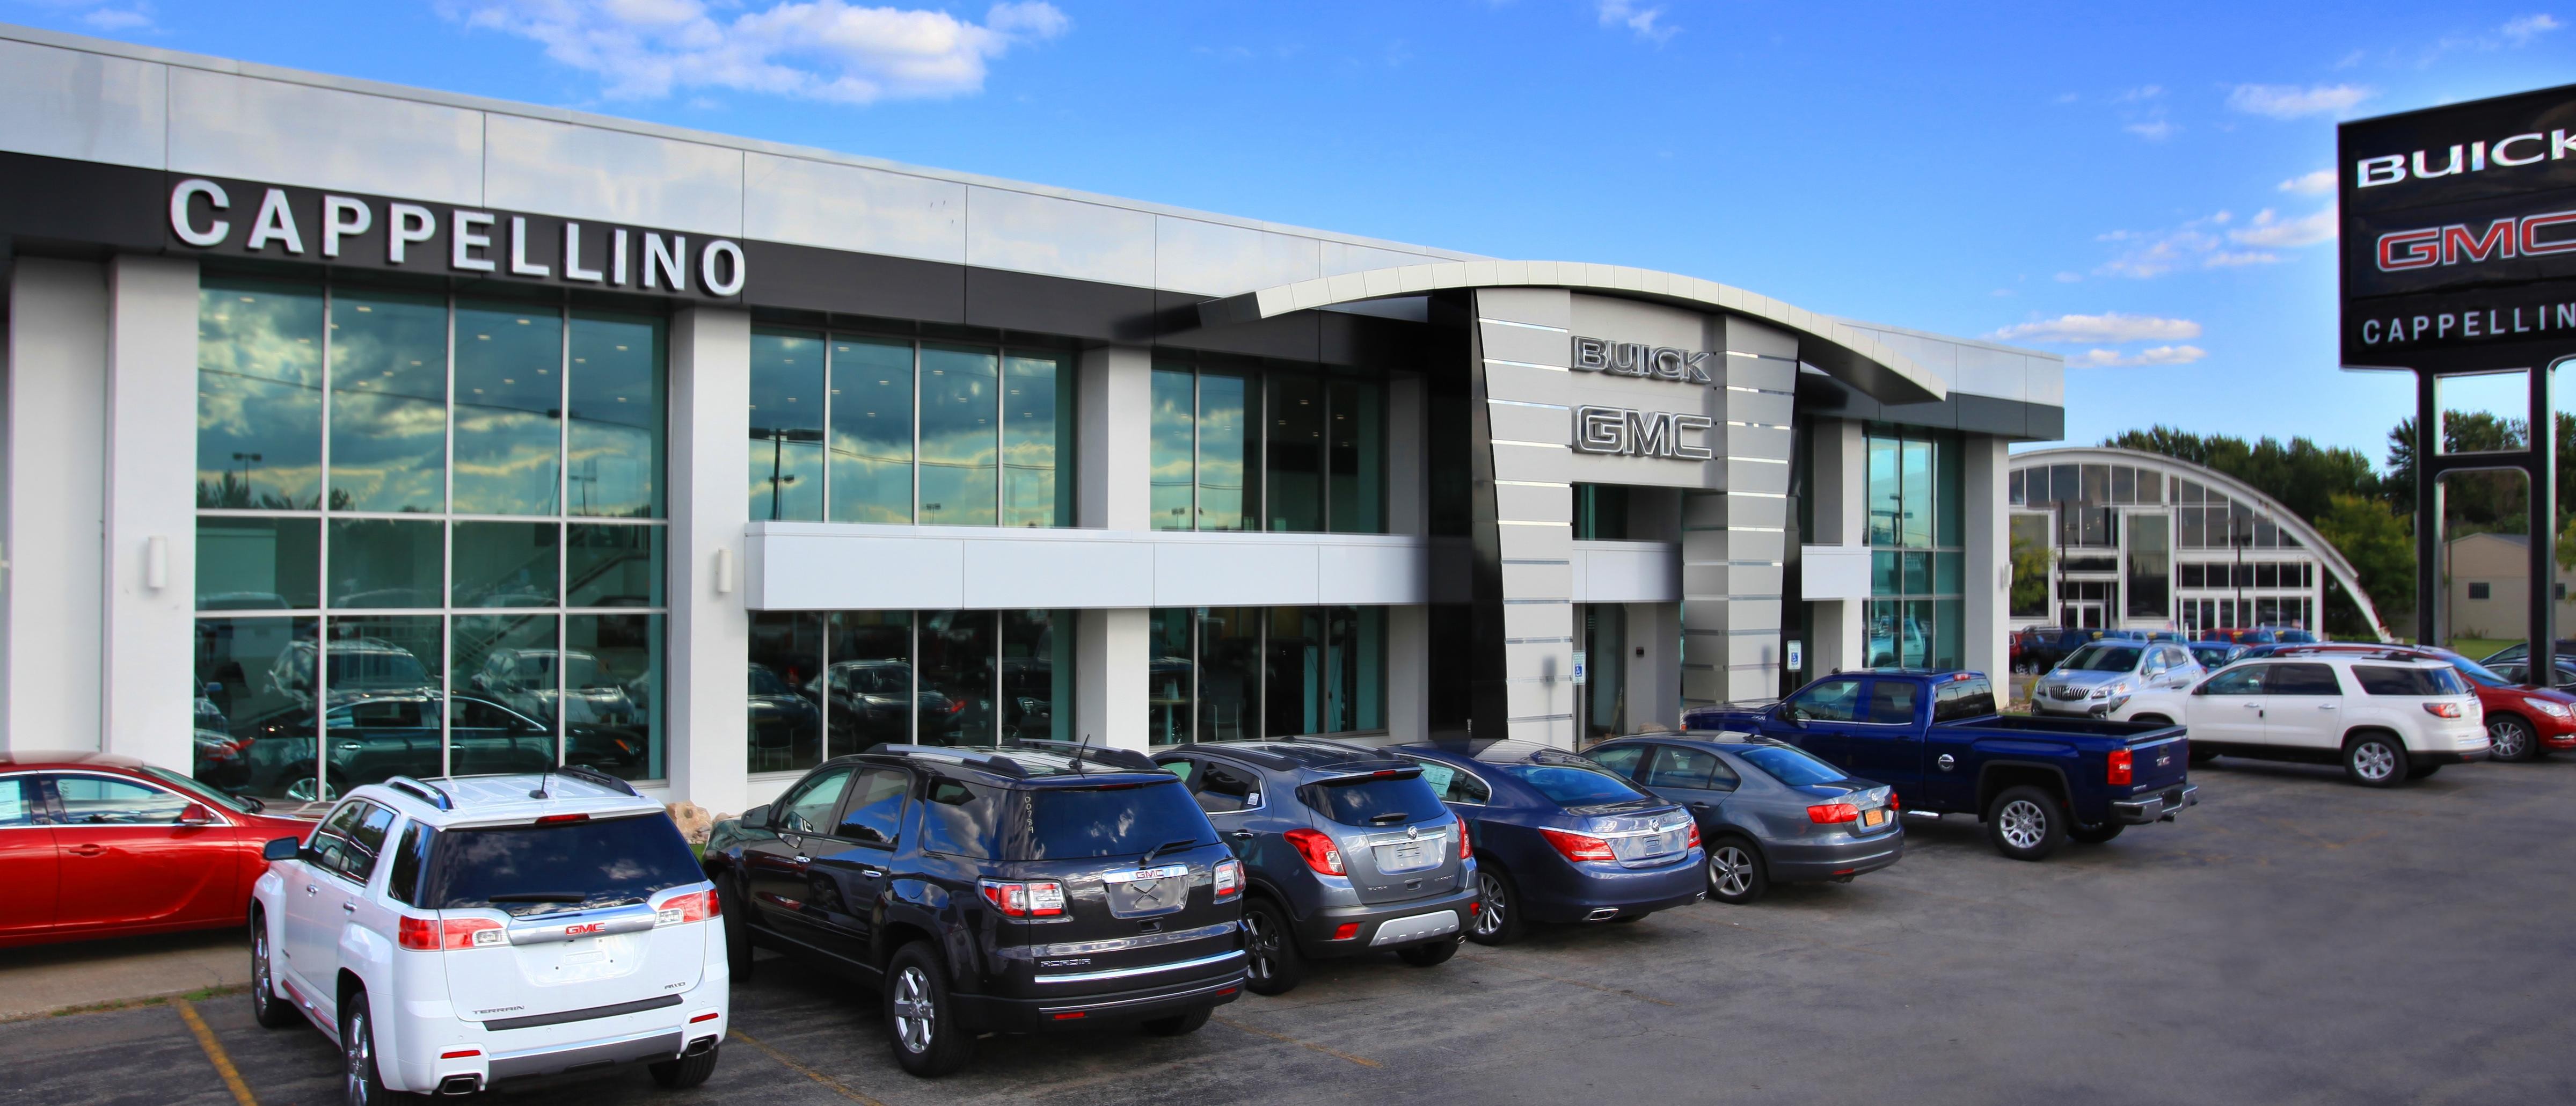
{"points": [[829, 683], [1917, 608], [1227, 673], [1236, 448], [412, 501], [2131, 543], [847, 428]]}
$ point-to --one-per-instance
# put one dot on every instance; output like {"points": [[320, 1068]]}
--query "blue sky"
{"points": [[2128, 185]]}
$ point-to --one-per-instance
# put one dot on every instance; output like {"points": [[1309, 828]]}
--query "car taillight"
{"points": [[696, 906], [2442, 710], [1891, 799], [1577, 846], [434, 934], [1693, 841], [1465, 850], [1830, 813], [559, 819], [1229, 879], [1035, 899], [1318, 850], [2122, 769]]}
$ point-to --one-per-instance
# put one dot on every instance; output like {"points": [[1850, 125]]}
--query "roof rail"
{"points": [[1104, 754], [991, 762], [589, 774], [425, 792]]}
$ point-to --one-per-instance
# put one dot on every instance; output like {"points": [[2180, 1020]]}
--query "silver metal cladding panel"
{"points": [[1193, 255], [87, 107], [229, 126], [1030, 233], [552, 168], [850, 207]]}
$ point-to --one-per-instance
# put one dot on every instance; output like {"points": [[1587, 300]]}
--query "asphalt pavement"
{"points": [[2294, 939]]}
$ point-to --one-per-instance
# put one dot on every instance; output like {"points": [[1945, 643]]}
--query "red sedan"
{"points": [[94, 845], [2523, 722]]}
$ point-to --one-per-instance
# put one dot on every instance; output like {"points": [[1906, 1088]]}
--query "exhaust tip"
{"points": [[460, 1085], [699, 1047], [1602, 915]]}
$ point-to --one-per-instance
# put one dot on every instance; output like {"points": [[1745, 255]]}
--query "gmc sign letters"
{"points": [[1620, 431]]}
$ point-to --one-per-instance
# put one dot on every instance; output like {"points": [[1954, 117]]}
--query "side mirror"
{"points": [[284, 848], [196, 814], [1794, 716], [758, 817]]}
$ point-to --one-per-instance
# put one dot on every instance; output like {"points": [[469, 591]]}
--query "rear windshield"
{"points": [[2103, 658], [2419, 682], [1566, 785], [563, 866], [1080, 823], [1380, 801], [1794, 767]]}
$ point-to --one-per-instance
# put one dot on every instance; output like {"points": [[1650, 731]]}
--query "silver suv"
{"points": [[1348, 852], [2099, 678]]}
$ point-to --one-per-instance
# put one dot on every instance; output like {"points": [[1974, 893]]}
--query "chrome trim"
{"points": [[1150, 969], [1220, 985], [1121, 944]]}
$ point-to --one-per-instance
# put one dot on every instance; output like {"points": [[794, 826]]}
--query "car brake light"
{"points": [[1830, 813], [1346, 931], [2442, 710], [2122, 769], [1229, 879], [1577, 846], [1465, 850], [696, 906], [556, 819], [460, 1054], [434, 934], [1035, 899], [1318, 850], [1891, 799], [1693, 841]]}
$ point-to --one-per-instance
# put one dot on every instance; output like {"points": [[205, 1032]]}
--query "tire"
{"points": [[685, 1072], [2510, 739], [2095, 835], [1498, 913], [1180, 1025], [2026, 823], [1736, 874], [1431, 955], [920, 1017], [1272, 965], [362, 1079], [2375, 760], [270, 1011], [2422, 771], [736, 916]]}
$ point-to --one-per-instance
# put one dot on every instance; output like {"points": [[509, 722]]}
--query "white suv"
{"points": [[455, 932], [2384, 717]]}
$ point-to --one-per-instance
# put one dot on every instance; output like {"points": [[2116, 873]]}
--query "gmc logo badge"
{"points": [[587, 927]]}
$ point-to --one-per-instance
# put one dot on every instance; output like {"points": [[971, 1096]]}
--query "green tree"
{"points": [[2380, 545], [2300, 474], [2031, 561]]}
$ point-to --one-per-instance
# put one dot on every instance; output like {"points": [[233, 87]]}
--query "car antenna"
{"points": [[540, 792]]}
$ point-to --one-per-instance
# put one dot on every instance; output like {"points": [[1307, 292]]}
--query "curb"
{"points": [[163, 998]]}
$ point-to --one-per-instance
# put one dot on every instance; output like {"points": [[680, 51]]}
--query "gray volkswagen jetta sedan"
{"points": [[1769, 812]]}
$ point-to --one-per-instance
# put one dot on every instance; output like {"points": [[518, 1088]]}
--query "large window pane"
{"points": [[957, 651], [1886, 502], [871, 696], [960, 441], [785, 727], [388, 401], [1294, 672], [509, 398], [1358, 459], [386, 563], [1228, 494], [871, 431], [1915, 526], [506, 670], [1174, 472], [1037, 675], [259, 395], [1033, 433], [258, 564], [1914, 644], [787, 427], [1296, 446], [1354, 688], [617, 415], [613, 667], [1949, 635], [1949, 493], [613, 566], [505, 564], [2150, 568], [380, 714], [1168, 709], [1229, 699], [254, 705]]}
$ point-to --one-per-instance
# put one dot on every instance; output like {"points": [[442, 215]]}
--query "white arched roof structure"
{"points": [[2264, 506], [1841, 351]]}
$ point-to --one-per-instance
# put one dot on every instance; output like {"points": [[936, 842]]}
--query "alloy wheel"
{"points": [[2374, 761], [2024, 824], [2510, 740], [915, 1016], [259, 979], [1264, 946], [1730, 872], [1489, 912], [360, 1050]]}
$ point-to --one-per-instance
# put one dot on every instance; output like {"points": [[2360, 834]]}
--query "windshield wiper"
{"points": [[1389, 819], [1151, 853], [538, 896]]}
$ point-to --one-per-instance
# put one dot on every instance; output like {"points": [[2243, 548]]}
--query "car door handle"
{"points": [[801, 858], [309, 889], [1700, 806], [348, 908], [1244, 835], [872, 873], [2326, 706], [88, 850]]}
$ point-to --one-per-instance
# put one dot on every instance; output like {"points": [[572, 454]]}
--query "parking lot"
{"points": [[2294, 939]]}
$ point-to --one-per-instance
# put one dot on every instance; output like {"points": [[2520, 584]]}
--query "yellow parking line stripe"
{"points": [[829, 1083], [1577, 982], [215, 1052], [1362, 1061]]}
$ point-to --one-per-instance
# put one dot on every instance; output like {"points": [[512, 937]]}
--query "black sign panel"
{"points": [[2459, 235]]}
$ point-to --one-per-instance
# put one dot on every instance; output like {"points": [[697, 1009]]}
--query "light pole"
{"points": [[2240, 533], [247, 460]]}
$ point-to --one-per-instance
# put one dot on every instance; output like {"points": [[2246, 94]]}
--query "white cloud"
{"points": [[811, 49], [2142, 92], [2281, 101], [2521, 29], [2310, 184], [2269, 229], [2225, 259], [2108, 328], [2156, 131], [120, 19], [2153, 355], [2070, 278], [1647, 22]]}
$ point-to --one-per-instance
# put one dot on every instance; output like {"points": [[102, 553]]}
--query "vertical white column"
{"points": [[1111, 669], [1841, 488], [1987, 521], [710, 627], [1114, 491], [147, 661], [1533, 503], [50, 674], [1654, 675], [1408, 672]]}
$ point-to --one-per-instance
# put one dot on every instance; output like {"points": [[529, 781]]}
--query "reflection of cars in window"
{"points": [[525, 678], [374, 735], [779, 717], [874, 701], [355, 664], [243, 601]]}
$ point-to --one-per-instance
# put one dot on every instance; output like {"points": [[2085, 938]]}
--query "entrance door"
{"points": [[2082, 613], [1605, 650]]}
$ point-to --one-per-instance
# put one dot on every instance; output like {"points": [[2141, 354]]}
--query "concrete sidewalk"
{"points": [[40, 979]]}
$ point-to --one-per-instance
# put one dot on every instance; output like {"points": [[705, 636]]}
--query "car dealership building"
{"points": [[332, 403]]}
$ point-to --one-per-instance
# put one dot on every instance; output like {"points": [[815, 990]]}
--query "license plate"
{"points": [[1408, 856], [1873, 817]]}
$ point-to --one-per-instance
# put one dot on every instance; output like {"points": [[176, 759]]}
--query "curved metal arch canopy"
{"points": [[1838, 349]]}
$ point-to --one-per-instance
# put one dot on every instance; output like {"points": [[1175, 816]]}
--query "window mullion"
{"points": [[322, 624]]}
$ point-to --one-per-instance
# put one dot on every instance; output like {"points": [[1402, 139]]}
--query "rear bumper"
{"points": [[428, 1045], [1032, 1015], [1384, 926], [2157, 807], [1578, 892], [2445, 756], [1801, 863]]}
